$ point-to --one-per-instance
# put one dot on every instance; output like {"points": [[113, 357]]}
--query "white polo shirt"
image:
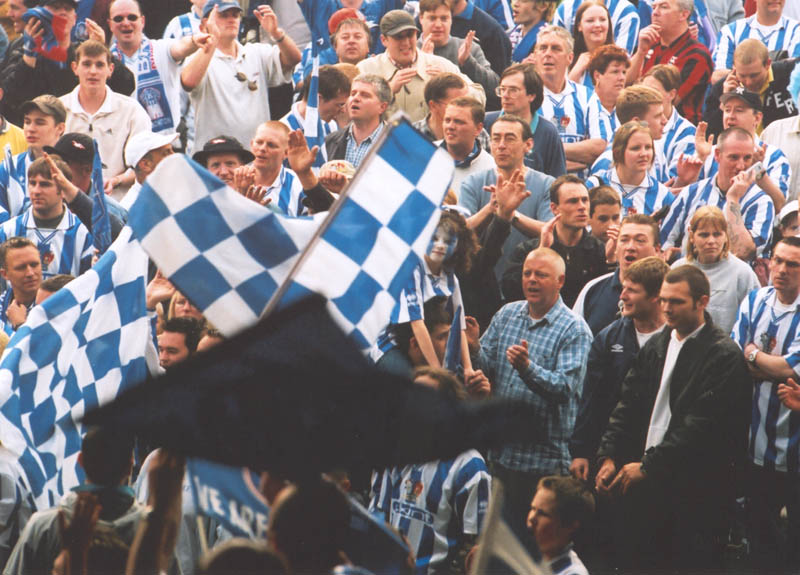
{"points": [[225, 105]]}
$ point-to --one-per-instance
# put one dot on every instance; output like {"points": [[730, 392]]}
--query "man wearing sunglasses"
{"points": [[229, 81], [32, 74]]}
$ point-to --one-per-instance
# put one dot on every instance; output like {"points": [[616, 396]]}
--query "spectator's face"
{"points": [[45, 197], [228, 22], [737, 113], [352, 43], [790, 226], [709, 241], [770, 7], [126, 22], [667, 14], [92, 72], [269, 148], [155, 156], [436, 25], [635, 301], [207, 342], [736, 155], [172, 349], [439, 334], [402, 47], [545, 526], [363, 103], [460, 130], [752, 76], [41, 129], [437, 107], [639, 151], [184, 308], [443, 244], [603, 217], [513, 97], [15, 11], [594, 26], [508, 146], [541, 281], [525, 12], [223, 166], [680, 310], [552, 56], [785, 268], [64, 10], [656, 120], [23, 270], [573, 205], [330, 109], [611, 82], [635, 242]]}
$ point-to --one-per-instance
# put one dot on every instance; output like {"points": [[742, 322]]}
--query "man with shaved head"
{"points": [[535, 351]]}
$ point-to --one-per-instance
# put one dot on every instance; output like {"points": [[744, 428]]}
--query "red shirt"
{"points": [[694, 61]]}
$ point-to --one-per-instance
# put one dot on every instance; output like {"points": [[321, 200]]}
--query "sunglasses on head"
{"points": [[130, 17]]}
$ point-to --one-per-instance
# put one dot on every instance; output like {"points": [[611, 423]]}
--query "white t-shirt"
{"points": [[225, 105], [642, 338]]}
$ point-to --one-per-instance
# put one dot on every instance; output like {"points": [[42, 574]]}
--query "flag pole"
{"points": [[276, 298]]}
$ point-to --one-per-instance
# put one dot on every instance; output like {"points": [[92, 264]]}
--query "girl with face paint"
{"points": [[449, 253]]}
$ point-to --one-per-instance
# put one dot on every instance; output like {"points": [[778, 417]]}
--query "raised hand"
{"points": [[466, 46], [789, 394], [702, 144]]}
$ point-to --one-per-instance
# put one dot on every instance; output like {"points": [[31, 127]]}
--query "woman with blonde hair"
{"points": [[731, 279]]}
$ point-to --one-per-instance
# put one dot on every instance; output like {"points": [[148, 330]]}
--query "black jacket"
{"points": [[489, 34], [336, 144], [479, 290], [710, 402], [778, 102]]}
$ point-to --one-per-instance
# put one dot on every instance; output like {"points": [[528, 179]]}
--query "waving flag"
{"points": [[313, 129], [77, 350], [101, 225]]}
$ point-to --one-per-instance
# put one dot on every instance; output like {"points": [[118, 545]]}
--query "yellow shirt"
{"points": [[12, 135], [763, 93]]}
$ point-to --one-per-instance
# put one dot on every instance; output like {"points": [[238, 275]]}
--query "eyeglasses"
{"points": [[129, 17], [252, 85], [511, 90]]}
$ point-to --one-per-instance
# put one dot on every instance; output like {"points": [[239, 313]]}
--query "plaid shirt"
{"points": [[558, 347], [355, 153]]}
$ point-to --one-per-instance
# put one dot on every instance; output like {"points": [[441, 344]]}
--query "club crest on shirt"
{"points": [[47, 258], [412, 490]]}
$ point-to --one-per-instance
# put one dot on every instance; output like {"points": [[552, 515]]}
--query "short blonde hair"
{"points": [[707, 215]]}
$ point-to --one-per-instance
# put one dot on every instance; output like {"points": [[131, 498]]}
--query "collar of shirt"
{"points": [[754, 23], [767, 82], [236, 59], [369, 139], [773, 299], [74, 103], [673, 336], [673, 119], [546, 319], [277, 184], [466, 162], [568, 89], [4, 125], [398, 66], [614, 179], [684, 38]]}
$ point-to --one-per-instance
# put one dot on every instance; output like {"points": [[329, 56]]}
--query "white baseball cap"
{"points": [[787, 209], [142, 142]]}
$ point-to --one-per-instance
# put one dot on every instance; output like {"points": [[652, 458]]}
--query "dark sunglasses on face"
{"points": [[130, 17]]}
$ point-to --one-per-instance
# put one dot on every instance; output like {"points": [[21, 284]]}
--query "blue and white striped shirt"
{"points": [[677, 139], [558, 345], [774, 428], [434, 504], [658, 170], [568, 111], [295, 121], [757, 210], [14, 196], [5, 301], [648, 197], [568, 563], [286, 193], [624, 20], [602, 123], [66, 249], [785, 35], [775, 162]]}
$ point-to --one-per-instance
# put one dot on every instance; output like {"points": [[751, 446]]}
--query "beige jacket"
{"points": [[410, 98]]}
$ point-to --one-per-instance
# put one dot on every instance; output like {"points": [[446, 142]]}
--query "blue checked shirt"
{"points": [[624, 20], [355, 153], [558, 347], [774, 428], [757, 210], [783, 36]]}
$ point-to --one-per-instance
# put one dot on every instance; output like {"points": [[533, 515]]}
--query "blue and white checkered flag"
{"points": [[231, 255], [313, 129], [78, 349]]}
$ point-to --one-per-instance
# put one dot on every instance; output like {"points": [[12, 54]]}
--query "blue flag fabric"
{"points": [[101, 224], [77, 350], [452, 353], [313, 129], [13, 199], [231, 255]]}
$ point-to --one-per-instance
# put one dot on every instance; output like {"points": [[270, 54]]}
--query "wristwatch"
{"points": [[751, 357]]}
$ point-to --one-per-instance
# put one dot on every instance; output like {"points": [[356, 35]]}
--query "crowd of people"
{"points": [[619, 249]]}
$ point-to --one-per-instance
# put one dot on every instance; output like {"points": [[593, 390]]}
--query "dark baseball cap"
{"points": [[73, 147], [750, 98], [222, 145], [46, 104], [221, 5], [397, 21]]}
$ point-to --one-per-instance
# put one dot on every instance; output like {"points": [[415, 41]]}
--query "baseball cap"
{"points": [[142, 142], [222, 145], [396, 21], [341, 15], [788, 209], [221, 5], [46, 104], [750, 98], [73, 147]]}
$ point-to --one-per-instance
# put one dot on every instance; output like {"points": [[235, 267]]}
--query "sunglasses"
{"points": [[251, 84], [130, 18]]}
